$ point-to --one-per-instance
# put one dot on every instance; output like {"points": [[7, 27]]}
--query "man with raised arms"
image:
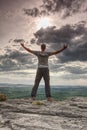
{"points": [[43, 69]]}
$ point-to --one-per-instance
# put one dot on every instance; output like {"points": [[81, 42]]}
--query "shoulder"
{"points": [[49, 53], [36, 52]]}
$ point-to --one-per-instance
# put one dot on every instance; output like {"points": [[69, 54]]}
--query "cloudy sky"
{"points": [[53, 22]]}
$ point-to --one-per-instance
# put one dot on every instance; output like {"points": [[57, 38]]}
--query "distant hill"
{"points": [[60, 93]]}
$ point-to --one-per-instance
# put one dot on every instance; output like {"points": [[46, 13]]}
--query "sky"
{"points": [[53, 22]]}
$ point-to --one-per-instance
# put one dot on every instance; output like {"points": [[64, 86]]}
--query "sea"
{"points": [[14, 91]]}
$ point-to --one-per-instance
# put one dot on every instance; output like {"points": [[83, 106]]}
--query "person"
{"points": [[43, 69]]}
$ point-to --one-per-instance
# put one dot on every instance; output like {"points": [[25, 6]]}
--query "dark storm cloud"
{"points": [[75, 36], [22, 41], [16, 60], [19, 40], [77, 54], [32, 41], [7, 64], [32, 12], [51, 6], [63, 35]]}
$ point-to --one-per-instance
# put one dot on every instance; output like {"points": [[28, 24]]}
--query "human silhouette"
{"points": [[43, 69]]}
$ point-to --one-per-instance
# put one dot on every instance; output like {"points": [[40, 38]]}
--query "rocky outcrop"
{"points": [[21, 114]]}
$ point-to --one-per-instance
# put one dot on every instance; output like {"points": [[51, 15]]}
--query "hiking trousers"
{"points": [[42, 73]]}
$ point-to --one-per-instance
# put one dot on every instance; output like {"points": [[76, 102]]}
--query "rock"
{"points": [[20, 114]]}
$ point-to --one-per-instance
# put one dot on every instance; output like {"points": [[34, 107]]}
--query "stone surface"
{"points": [[21, 114]]}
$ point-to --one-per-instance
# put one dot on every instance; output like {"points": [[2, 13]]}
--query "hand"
{"points": [[65, 46], [22, 44]]}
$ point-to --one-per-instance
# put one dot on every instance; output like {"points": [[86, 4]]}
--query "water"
{"points": [[59, 92]]}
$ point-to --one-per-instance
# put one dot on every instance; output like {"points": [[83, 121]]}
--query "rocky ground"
{"points": [[20, 114]]}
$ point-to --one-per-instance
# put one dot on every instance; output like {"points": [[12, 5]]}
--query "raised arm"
{"points": [[56, 52], [28, 49]]}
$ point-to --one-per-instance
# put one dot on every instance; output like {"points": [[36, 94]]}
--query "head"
{"points": [[43, 47]]}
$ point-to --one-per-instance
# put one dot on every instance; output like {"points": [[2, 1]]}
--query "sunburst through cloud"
{"points": [[53, 22], [43, 22]]}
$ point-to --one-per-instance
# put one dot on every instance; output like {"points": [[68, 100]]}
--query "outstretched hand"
{"points": [[22, 44], [26, 48], [65, 46]]}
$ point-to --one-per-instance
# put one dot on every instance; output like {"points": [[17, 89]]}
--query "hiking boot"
{"points": [[51, 99]]}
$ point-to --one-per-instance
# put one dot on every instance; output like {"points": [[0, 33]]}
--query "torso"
{"points": [[43, 60]]}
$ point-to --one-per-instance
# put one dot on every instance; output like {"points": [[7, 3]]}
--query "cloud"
{"points": [[73, 35], [74, 77], [19, 40], [68, 7], [14, 59], [32, 12], [77, 54], [76, 70], [70, 70], [63, 35], [33, 41]]}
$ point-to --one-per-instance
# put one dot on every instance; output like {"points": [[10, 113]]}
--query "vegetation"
{"points": [[60, 93], [37, 103], [3, 97]]}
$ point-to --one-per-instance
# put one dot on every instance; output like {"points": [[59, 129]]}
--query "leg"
{"points": [[36, 84], [47, 82]]}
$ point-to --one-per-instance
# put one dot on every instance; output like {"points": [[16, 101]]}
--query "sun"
{"points": [[43, 22]]}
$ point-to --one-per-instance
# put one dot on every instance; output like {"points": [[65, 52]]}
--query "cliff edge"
{"points": [[20, 114]]}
